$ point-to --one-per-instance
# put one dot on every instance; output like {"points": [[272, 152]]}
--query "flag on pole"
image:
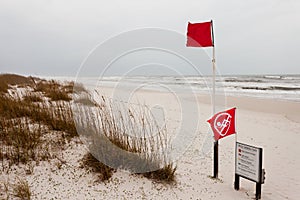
{"points": [[223, 123], [200, 35]]}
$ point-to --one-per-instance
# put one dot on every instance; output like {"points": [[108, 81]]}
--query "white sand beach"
{"points": [[271, 124]]}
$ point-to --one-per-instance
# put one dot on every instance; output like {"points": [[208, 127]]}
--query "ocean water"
{"points": [[279, 87]]}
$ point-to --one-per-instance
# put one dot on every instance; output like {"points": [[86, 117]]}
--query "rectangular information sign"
{"points": [[248, 162]]}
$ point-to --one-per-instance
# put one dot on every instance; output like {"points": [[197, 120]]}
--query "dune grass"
{"points": [[56, 115], [112, 127], [14, 79], [46, 105], [26, 117], [89, 162], [19, 189], [20, 141], [3, 87], [22, 190], [165, 174], [31, 97], [53, 90]]}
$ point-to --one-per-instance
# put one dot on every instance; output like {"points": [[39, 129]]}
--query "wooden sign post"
{"points": [[248, 165]]}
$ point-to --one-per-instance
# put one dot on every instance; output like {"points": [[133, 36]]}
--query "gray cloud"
{"points": [[52, 37]]}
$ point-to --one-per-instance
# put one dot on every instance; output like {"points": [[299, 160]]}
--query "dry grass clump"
{"points": [[68, 87], [89, 162], [53, 90], [14, 107], [46, 86], [3, 87], [12, 79], [165, 174], [57, 95], [20, 141], [56, 115], [30, 97], [21, 190], [25, 119], [111, 128], [22, 126]]}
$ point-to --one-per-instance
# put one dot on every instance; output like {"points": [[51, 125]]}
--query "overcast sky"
{"points": [[53, 37]]}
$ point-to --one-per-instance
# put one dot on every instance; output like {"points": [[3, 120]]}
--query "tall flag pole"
{"points": [[201, 35], [216, 143]]}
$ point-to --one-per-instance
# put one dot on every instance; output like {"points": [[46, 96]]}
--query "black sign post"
{"points": [[248, 165], [216, 159]]}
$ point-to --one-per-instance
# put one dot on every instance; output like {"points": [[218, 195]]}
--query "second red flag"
{"points": [[223, 123]]}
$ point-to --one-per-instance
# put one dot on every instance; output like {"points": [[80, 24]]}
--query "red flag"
{"points": [[223, 123], [199, 35]]}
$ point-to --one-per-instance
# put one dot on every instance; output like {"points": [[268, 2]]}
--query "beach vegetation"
{"points": [[21, 189], [43, 107], [165, 174], [53, 90], [25, 118], [113, 127], [31, 97], [7, 80], [90, 163]]}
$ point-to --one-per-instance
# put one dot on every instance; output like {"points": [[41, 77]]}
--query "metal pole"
{"points": [[258, 191], [258, 185], [216, 144]]}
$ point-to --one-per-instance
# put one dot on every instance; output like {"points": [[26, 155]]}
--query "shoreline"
{"points": [[231, 85], [260, 104], [287, 109]]}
